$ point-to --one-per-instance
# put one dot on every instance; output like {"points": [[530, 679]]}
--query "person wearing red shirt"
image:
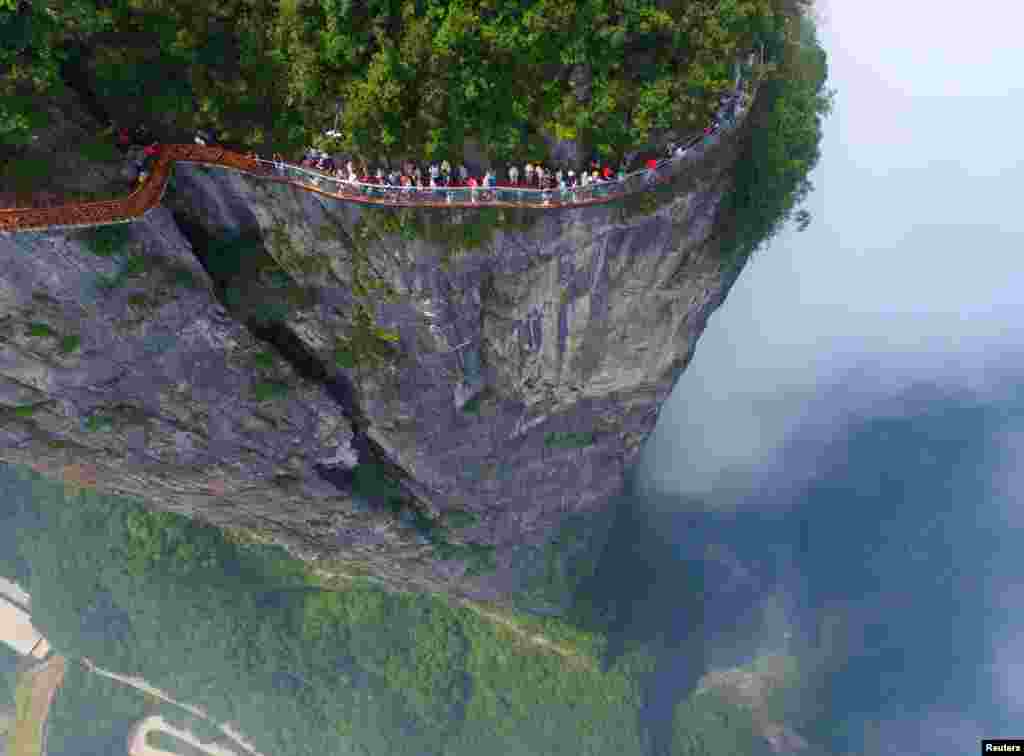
{"points": [[652, 166], [124, 139], [607, 173]]}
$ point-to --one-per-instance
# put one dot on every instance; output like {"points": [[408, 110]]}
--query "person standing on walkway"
{"points": [[446, 171], [124, 140], [463, 174], [652, 167], [528, 174], [472, 188], [513, 175]]}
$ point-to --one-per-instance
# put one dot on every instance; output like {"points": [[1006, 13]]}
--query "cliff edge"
{"points": [[435, 399]]}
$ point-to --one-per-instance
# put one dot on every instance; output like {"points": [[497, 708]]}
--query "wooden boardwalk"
{"points": [[135, 205], [149, 194]]}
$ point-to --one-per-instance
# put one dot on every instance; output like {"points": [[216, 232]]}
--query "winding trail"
{"points": [[137, 745], [150, 193], [570, 654], [197, 711], [148, 196]]}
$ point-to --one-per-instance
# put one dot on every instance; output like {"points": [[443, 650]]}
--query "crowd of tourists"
{"points": [[438, 175], [411, 176]]}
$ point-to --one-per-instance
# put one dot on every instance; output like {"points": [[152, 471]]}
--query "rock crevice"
{"points": [[519, 361]]}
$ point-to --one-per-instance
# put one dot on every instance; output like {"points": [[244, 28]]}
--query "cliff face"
{"points": [[534, 351]]}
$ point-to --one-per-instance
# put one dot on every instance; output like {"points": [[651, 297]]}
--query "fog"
{"points": [[912, 262], [866, 376]]}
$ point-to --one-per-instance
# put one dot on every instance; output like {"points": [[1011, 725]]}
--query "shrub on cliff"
{"points": [[106, 241], [414, 76], [771, 177], [265, 390]]}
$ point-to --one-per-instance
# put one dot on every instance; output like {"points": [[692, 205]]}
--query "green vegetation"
{"points": [[40, 330], [92, 714], [554, 573], [720, 719], [168, 541], [415, 76], [69, 343], [771, 176], [425, 77], [707, 724], [25, 410], [183, 277], [134, 265], [246, 632], [24, 174], [264, 390], [264, 360], [367, 344], [576, 440], [99, 151], [364, 343], [460, 518], [372, 481], [478, 556], [472, 407], [106, 241], [98, 422]]}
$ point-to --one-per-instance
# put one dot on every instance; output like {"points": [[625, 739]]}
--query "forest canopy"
{"points": [[402, 76]]}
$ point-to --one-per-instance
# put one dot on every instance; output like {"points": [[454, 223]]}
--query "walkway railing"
{"points": [[149, 195]]}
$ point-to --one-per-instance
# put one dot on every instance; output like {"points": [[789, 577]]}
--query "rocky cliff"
{"points": [[438, 399]]}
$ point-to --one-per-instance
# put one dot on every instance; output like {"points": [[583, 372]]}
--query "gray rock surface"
{"points": [[561, 327]]}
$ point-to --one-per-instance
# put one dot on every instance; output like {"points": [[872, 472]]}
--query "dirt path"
{"points": [[534, 639], [526, 637], [197, 711], [34, 695], [137, 745]]}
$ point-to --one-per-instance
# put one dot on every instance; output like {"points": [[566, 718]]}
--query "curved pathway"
{"points": [[137, 745], [148, 195], [197, 711]]}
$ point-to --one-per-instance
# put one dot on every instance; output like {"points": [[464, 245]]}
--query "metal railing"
{"points": [[498, 195], [147, 196], [501, 194]]}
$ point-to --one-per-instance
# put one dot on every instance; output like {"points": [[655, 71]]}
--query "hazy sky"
{"points": [[913, 268], [914, 257]]}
